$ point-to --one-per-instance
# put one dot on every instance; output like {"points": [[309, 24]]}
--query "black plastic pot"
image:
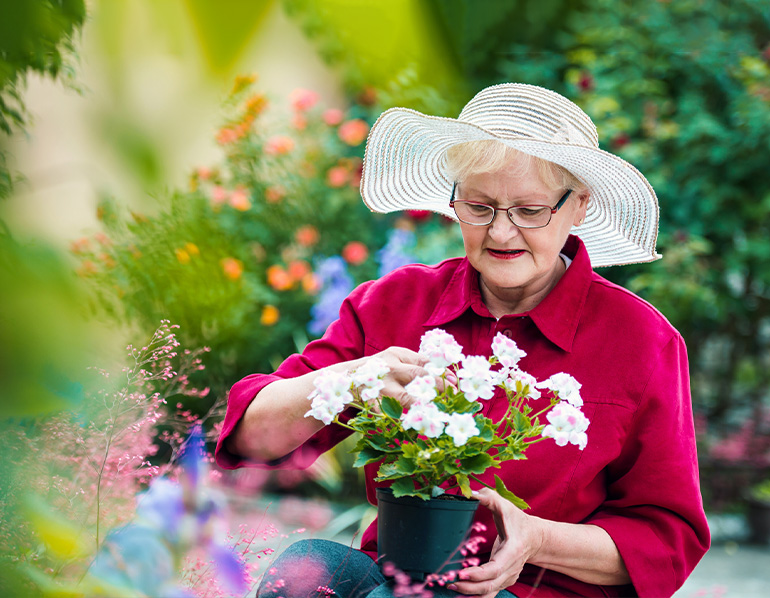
{"points": [[422, 536]]}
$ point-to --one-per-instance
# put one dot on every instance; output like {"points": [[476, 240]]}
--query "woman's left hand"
{"points": [[519, 537]]}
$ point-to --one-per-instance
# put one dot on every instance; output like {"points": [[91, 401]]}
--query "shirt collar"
{"points": [[556, 316]]}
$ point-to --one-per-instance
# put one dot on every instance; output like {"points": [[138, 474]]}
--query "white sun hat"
{"points": [[405, 165]]}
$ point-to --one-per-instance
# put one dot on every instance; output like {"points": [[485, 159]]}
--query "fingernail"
{"points": [[475, 492], [451, 586]]}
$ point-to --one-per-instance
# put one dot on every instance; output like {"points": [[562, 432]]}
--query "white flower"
{"points": [[441, 349], [519, 380], [476, 379], [567, 424], [425, 418], [565, 386], [461, 426], [331, 394], [323, 409], [331, 384], [422, 388], [372, 371], [506, 350], [369, 376]]}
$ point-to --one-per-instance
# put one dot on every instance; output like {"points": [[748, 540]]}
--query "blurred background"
{"points": [[198, 162]]}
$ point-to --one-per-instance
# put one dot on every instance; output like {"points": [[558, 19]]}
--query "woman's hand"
{"points": [[519, 537], [405, 365]]}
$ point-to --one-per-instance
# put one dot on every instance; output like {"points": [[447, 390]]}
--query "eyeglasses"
{"points": [[526, 216]]}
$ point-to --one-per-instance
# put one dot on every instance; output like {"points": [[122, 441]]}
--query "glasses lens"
{"points": [[530, 216], [473, 213]]}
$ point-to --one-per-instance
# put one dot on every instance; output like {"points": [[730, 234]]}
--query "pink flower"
{"points": [[567, 424], [353, 132], [219, 195], [506, 350], [279, 145], [333, 116], [239, 199], [303, 99], [337, 176]]}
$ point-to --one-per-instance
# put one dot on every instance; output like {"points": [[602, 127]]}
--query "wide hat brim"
{"points": [[405, 169]]}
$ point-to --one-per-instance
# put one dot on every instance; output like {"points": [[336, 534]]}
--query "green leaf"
{"points": [[405, 465], [465, 485], [477, 464], [391, 407], [367, 455], [521, 422], [507, 494], [403, 487]]}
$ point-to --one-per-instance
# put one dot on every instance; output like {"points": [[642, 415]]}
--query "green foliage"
{"points": [[35, 36], [232, 258], [682, 91]]}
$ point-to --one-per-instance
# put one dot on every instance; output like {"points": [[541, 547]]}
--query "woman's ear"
{"points": [[580, 214]]}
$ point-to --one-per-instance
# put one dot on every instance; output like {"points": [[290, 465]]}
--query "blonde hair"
{"points": [[488, 155]]}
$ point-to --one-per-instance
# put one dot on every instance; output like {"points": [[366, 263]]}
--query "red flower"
{"points": [[353, 132], [337, 176], [306, 235], [586, 82], [620, 140], [355, 253], [419, 215], [333, 116]]}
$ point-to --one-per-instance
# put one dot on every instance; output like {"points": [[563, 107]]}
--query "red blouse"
{"points": [[638, 476]]}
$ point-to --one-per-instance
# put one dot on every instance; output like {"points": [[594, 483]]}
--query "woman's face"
{"points": [[518, 266]]}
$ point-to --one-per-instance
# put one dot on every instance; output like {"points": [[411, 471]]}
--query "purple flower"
{"points": [[193, 452], [162, 507], [232, 573], [395, 252], [336, 285]]}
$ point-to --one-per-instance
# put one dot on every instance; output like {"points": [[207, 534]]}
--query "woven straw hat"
{"points": [[405, 164]]}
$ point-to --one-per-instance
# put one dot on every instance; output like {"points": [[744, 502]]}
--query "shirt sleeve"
{"points": [[654, 509], [343, 341]]}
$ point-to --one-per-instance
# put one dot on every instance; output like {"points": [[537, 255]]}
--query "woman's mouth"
{"points": [[505, 254]]}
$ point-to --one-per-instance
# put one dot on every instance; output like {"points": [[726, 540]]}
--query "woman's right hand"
{"points": [[405, 365]]}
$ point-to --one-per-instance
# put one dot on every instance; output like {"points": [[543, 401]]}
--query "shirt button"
{"points": [[507, 332]]}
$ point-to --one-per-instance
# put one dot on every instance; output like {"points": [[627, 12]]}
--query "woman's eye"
{"points": [[530, 212], [478, 209]]}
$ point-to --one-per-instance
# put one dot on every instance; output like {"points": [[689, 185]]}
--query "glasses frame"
{"points": [[553, 210]]}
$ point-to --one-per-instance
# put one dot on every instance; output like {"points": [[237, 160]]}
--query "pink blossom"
{"points": [[333, 116], [506, 350], [461, 427], [353, 132], [303, 99], [567, 424], [279, 145], [565, 387]]}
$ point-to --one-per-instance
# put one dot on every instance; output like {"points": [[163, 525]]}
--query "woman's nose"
{"points": [[502, 229]]}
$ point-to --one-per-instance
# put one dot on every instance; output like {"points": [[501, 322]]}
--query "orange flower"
{"points": [[275, 193], [182, 256], [303, 99], [310, 283], [239, 199], [298, 269], [279, 145], [107, 260], [337, 176], [80, 246], [307, 235], [353, 132], [333, 116], [204, 173], [270, 315], [255, 105], [355, 253], [299, 121], [232, 267], [279, 279], [87, 267], [103, 239], [227, 135]]}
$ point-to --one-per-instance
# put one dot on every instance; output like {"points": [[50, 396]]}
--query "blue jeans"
{"points": [[313, 568]]}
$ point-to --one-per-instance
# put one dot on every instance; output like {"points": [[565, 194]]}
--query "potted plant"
{"points": [[431, 451]]}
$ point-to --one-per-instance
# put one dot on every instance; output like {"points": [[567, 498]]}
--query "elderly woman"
{"points": [[539, 205]]}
